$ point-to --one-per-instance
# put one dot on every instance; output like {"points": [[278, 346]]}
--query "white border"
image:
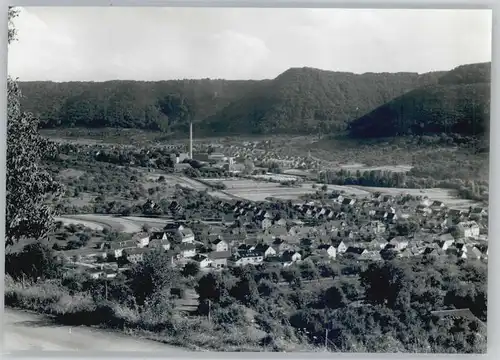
{"points": [[494, 211]]}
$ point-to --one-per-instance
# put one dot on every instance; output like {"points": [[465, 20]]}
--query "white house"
{"points": [[340, 246], [329, 250], [220, 245], [141, 239], [202, 260], [265, 250], [135, 255], [468, 229], [187, 250], [249, 258]]}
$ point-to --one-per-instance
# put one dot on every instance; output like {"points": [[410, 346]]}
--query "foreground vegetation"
{"points": [[366, 307]]}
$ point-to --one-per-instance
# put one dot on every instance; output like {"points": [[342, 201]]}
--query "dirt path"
{"points": [[24, 331]]}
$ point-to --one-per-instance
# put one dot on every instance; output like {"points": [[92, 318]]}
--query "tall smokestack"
{"points": [[191, 140]]}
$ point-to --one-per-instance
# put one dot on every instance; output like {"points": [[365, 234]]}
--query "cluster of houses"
{"points": [[254, 234]]}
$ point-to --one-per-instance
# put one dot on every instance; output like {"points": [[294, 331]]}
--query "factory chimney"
{"points": [[191, 140]]}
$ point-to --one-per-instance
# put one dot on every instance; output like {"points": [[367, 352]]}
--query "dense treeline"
{"points": [[366, 307], [162, 105], [459, 103], [306, 99], [296, 101]]}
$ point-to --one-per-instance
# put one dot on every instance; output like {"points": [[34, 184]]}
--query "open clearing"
{"points": [[260, 190], [116, 223]]}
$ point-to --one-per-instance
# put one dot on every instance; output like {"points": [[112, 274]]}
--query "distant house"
{"points": [[339, 246], [141, 239], [157, 243], [348, 201], [398, 243], [220, 245], [377, 244], [377, 227], [355, 251], [179, 233], [246, 258], [280, 245], [277, 231], [290, 256], [219, 258], [468, 229], [328, 250], [264, 223], [116, 248], [265, 250], [202, 260], [135, 255], [445, 241], [471, 252], [187, 250], [370, 255]]}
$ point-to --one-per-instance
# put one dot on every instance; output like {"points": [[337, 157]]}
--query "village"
{"points": [[246, 233]]}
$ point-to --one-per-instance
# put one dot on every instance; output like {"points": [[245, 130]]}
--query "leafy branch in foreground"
{"points": [[29, 185]]}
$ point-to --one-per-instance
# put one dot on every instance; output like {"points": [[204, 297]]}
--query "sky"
{"points": [[151, 44]]}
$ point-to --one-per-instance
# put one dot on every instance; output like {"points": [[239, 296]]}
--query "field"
{"points": [[363, 167], [100, 221], [260, 190]]}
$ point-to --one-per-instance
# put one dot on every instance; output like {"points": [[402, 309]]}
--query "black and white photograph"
{"points": [[216, 179]]}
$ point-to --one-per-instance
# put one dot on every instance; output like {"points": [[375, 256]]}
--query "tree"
{"points": [[35, 261], [29, 186], [192, 268], [154, 273]]}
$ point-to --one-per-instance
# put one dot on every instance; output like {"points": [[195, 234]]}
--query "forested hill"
{"points": [[161, 105], [298, 100], [459, 103]]}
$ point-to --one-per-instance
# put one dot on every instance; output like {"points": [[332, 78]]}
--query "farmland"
{"points": [[261, 190]]}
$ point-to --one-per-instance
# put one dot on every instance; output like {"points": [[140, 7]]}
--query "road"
{"points": [[26, 331]]}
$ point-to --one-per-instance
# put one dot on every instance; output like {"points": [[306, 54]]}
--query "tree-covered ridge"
{"points": [[459, 103], [307, 99], [162, 105], [300, 99]]}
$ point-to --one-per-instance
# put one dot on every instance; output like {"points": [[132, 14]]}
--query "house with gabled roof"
{"points": [[398, 243], [326, 249], [468, 229], [355, 251], [116, 248], [202, 260], [290, 256], [246, 258], [141, 239], [220, 245], [339, 245], [159, 243], [264, 249], [135, 255], [187, 250], [219, 259]]}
